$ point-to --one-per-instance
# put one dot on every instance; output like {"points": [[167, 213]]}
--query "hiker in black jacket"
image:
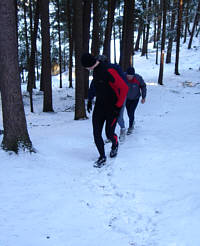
{"points": [[110, 91]]}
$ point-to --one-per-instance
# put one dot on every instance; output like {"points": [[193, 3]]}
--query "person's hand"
{"points": [[143, 100], [89, 106]]}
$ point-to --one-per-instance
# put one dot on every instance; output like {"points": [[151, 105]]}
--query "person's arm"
{"points": [[91, 95], [91, 91], [143, 88]]}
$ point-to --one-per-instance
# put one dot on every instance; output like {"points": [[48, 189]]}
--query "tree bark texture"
{"points": [[127, 35], [171, 35], [160, 78], [59, 41], [186, 20], [70, 40], [180, 9], [140, 29], [31, 71], [26, 34], [14, 121], [194, 25], [78, 38], [86, 38], [46, 57], [108, 31], [95, 47]]}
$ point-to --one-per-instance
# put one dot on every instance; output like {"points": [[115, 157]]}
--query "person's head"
{"points": [[89, 61], [130, 72]]}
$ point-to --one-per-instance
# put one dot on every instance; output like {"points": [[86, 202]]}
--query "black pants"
{"points": [[131, 106], [99, 117]]}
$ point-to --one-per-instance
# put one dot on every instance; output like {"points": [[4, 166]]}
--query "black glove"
{"points": [[89, 106]]}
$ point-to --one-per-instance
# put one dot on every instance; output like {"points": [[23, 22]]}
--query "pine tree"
{"points": [[194, 25], [160, 78], [14, 121], [46, 57], [109, 25], [126, 55], [78, 38], [180, 10]]}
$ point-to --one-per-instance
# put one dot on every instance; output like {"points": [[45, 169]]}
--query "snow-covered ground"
{"points": [[147, 196]]}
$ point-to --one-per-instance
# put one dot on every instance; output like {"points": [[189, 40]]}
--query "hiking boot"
{"points": [[130, 130], [107, 141], [100, 162], [122, 134], [113, 151]]}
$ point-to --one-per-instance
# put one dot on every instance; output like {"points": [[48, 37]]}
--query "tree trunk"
{"points": [[95, 47], [14, 121], [186, 21], [154, 23], [180, 9], [148, 26], [146, 36], [160, 78], [31, 72], [160, 8], [159, 20], [26, 35], [114, 40], [78, 38], [16, 17], [108, 31], [144, 6], [86, 38], [140, 29], [197, 32], [59, 42], [31, 18], [194, 25], [143, 40], [120, 33], [46, 57], [70, 40], [127, 35], [171, 35], [37, 66]]}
